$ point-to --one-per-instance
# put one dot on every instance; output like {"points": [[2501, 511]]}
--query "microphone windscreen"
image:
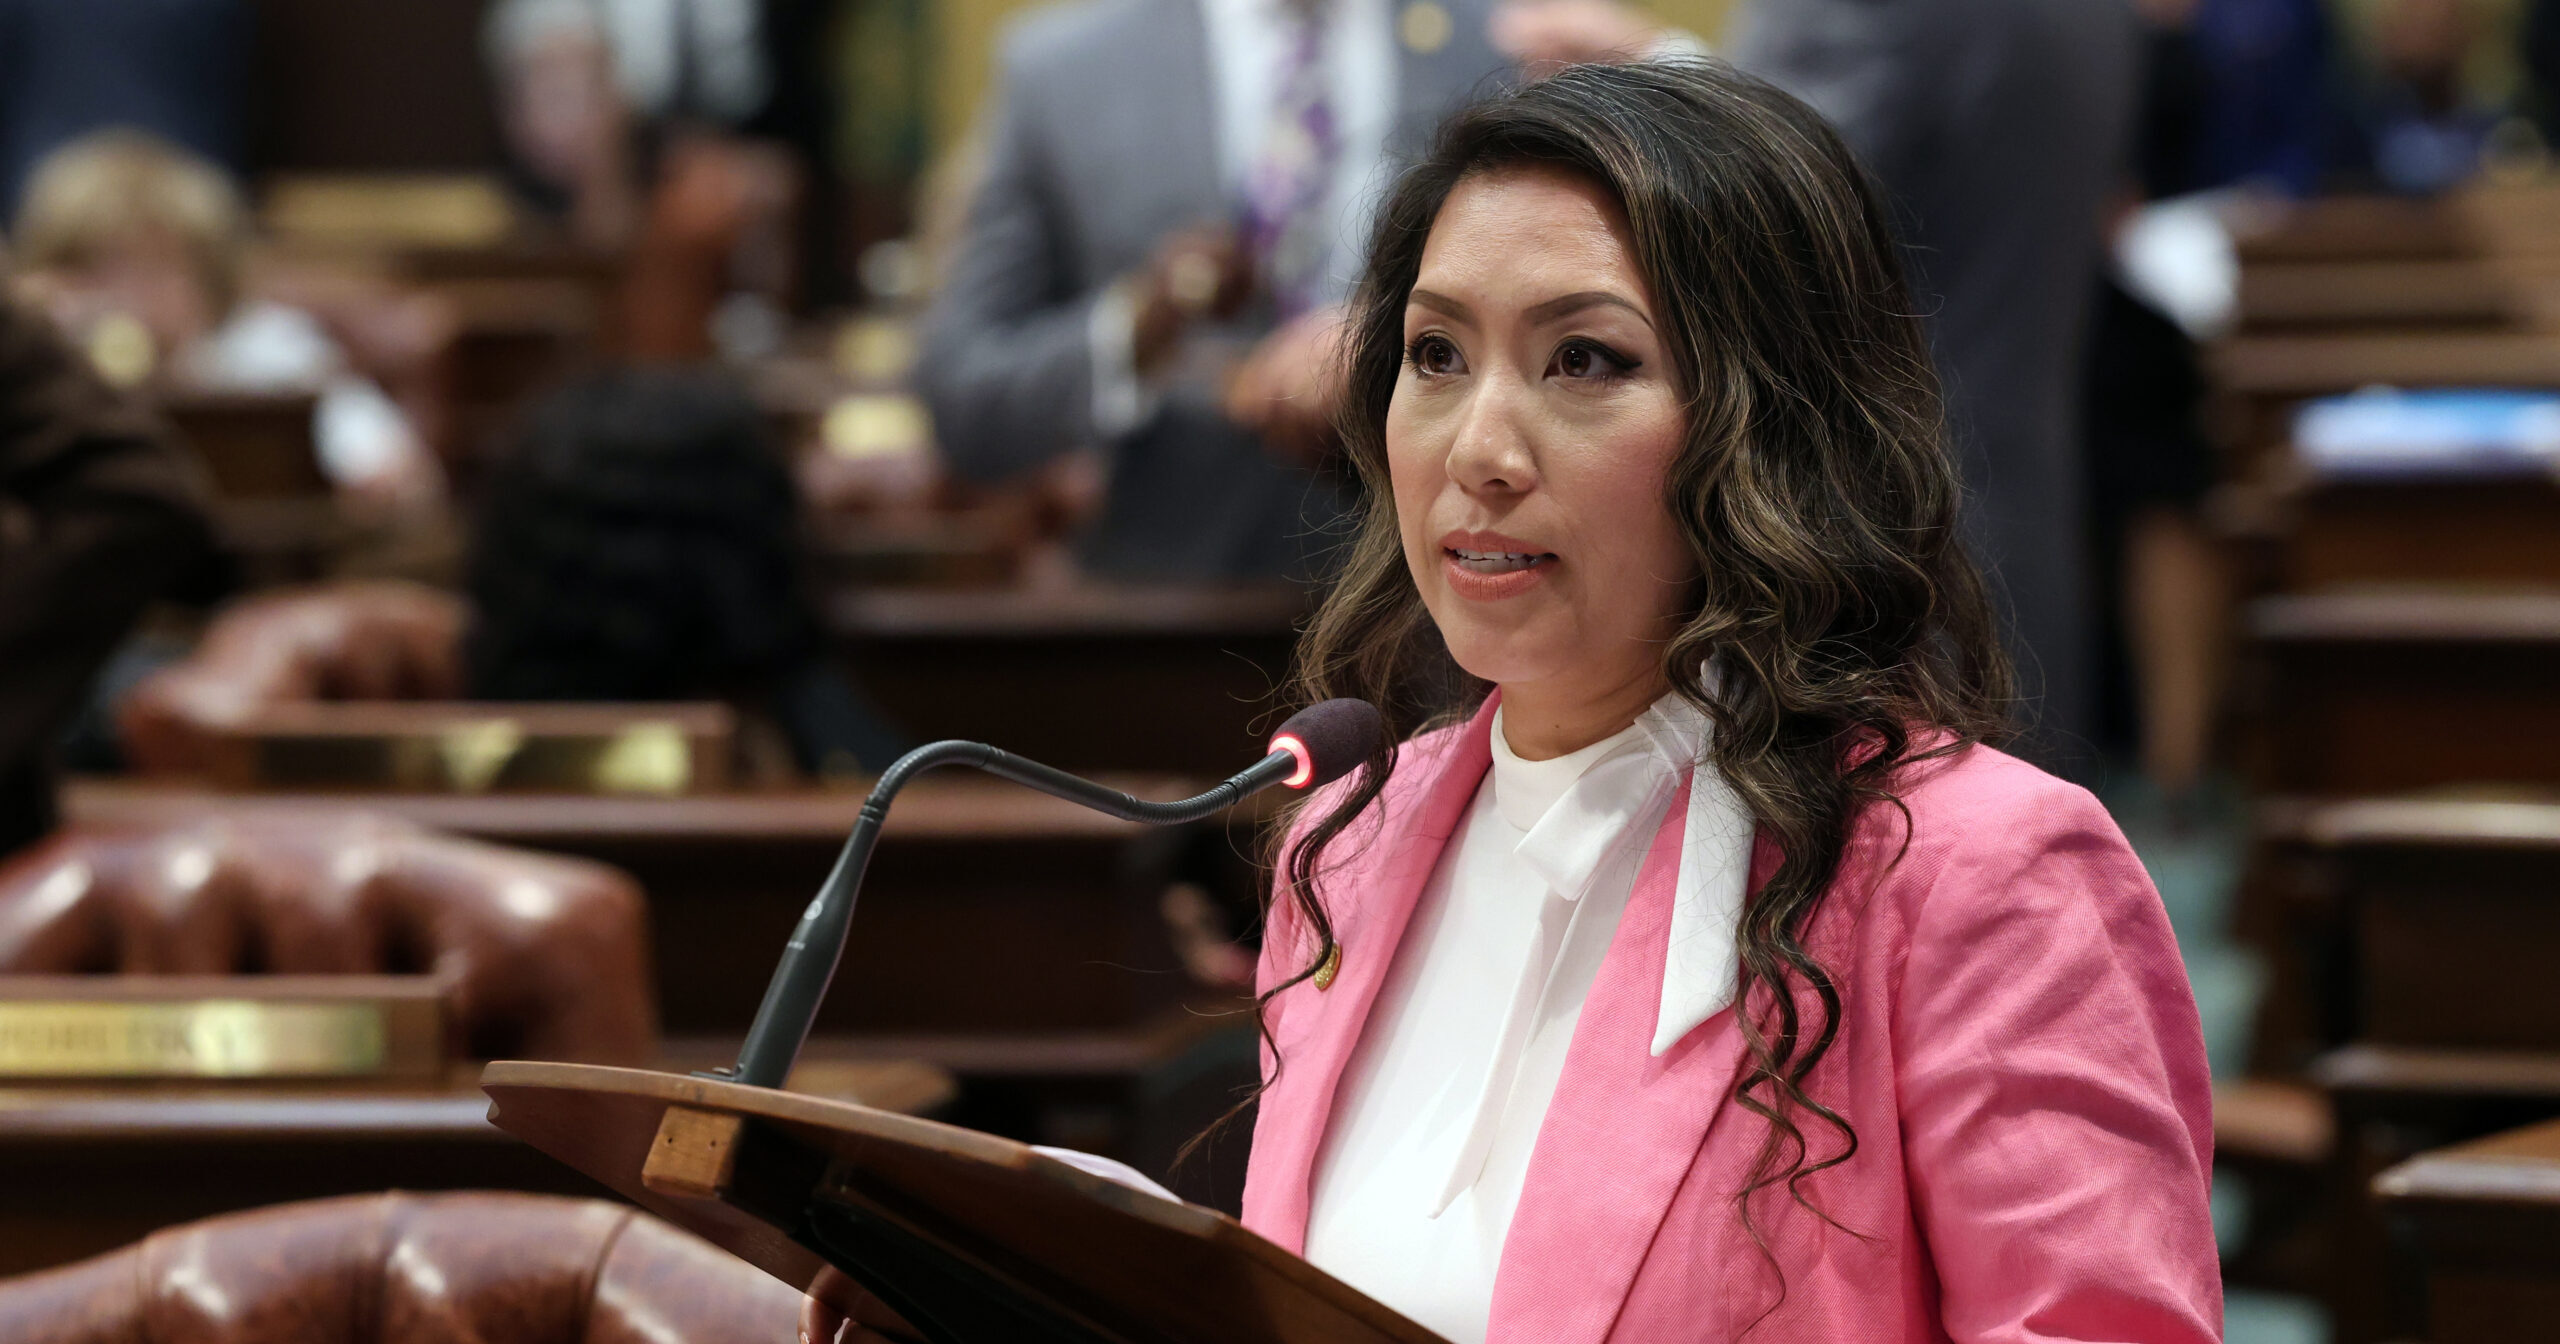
{"points": [[1330, 739]]}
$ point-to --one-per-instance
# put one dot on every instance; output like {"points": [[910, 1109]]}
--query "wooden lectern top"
{"points": [[977, 1239]]}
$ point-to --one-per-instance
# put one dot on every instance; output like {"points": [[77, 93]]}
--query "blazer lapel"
{"points": [[1373, 898], [1623, 1131]]}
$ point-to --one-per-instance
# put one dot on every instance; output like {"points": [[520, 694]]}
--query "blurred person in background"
{"points": [[2419, 129], [2243, 92], [628, 120], [137, 248], [2162, 592], [175, 68], [1166, 223], [1999, 128], [100, 513], [2540, 49], [640, 541], [2240, 102]]}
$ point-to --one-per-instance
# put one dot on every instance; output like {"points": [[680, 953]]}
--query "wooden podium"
{"points": [[973, 1238]]}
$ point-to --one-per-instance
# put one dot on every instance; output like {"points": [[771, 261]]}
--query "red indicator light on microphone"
{"points": [[1306, 770]]}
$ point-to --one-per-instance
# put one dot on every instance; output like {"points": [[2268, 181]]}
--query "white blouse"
{"points": [[1438, 1113]]}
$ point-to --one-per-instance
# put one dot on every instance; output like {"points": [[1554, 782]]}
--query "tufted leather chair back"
{"points": [[541, 957], [408, 1269], [357, 640]]}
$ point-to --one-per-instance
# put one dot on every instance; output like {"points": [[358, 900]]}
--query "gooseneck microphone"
{"points": [[1319, 744]]}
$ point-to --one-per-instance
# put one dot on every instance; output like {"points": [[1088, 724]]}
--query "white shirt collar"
{"points": [[1607, 794]]}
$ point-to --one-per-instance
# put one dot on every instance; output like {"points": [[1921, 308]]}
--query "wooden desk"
{"points": [[1016, 940], [520, 257], [976, 883], [2385, 691], [2393, 1104], [976, 548], [2339, 533], [273, 507], [472, 747], [2405, 294], [2302, 908], [513, 339], [2298, 366], [2450, 918], [2482, 1226], [90, 1169], [2263, 378], [2482, 220], [2454, 912], [2361, 228], [1084, 677], [257, 445]]}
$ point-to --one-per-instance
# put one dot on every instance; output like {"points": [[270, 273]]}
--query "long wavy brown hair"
{"points": [[1850, 634]]}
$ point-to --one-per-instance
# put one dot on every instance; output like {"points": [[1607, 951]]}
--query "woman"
{"points": [[1702, 974]]}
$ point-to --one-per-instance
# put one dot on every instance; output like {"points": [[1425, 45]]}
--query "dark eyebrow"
{"points": [[1442, 304], [1573, 303]]}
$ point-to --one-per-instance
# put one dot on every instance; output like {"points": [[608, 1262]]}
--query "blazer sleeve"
{"points": [[2057, 1109], [1008, 368]]}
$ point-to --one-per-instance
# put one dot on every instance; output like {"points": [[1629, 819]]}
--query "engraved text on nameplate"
{"points": [[205, 1038]]}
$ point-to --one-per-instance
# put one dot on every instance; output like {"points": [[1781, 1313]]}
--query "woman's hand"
{"points": [[834, 1303]]}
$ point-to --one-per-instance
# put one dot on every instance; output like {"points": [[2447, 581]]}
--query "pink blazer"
{"points": [[2018, 1050]]}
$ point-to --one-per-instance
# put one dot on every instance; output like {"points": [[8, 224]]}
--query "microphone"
{"points": [[1318, 745]]}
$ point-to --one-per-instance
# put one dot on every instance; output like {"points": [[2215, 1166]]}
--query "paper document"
{"points": [[1117, 1172]]}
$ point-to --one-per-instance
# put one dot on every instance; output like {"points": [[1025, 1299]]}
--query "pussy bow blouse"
{"points": [[1441, 1106]]}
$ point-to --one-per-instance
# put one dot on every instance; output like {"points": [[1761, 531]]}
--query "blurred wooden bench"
{"points": [[2361, 228], [977, 884], [2427, 294], [2492, 219], [2350, 292], [1086, 676], [1015, 940], [513, 338], [2262, 379], [273, 505], [2358, 693], [257, 445], [462, 746], [2455, 909], [2312, 535], [2289, 368], [2481, 1228], [91, 1168], [2448, 922]]}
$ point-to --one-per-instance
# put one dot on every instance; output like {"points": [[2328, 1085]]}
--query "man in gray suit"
{"points": [[1999, 127], [1172, 202]]}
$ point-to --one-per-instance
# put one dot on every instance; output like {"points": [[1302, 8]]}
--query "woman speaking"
{"points": [[1696, 972]]}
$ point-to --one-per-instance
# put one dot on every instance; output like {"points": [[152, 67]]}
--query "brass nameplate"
{"points": [[205, 1038], [479, 748]]}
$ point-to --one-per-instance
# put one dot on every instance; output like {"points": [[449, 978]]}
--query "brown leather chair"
{"points": [[358, 640], [408, 1269], [542, 957]]}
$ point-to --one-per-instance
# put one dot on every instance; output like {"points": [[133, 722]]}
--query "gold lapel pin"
{"points": [[1426, 27], [1331, 967]]}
